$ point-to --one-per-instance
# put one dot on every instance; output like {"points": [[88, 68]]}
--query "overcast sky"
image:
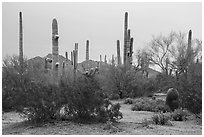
{"points": [[101, 23]]}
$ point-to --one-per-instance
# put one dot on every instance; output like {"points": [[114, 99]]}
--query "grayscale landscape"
{"points": [[118, 68]]}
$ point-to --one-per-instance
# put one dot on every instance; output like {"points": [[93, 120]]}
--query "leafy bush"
{"points": [[86, 102], [148, 104], [128, 101], [41, 101], [179, 115], [161, 119], [172, 99]]}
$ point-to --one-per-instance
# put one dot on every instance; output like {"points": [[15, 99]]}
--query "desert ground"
{"points": [[133, 123]]}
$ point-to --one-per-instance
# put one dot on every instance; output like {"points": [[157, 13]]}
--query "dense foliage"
{"points": [[41, 100]]}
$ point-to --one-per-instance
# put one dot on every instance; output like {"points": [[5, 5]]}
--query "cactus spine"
{"points": [[87, 50], [55, 54], [21, 41], [125, 37], [118, 52]]}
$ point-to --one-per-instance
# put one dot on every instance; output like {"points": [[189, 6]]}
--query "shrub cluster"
{"points": [[39, 100], [128, 101], [148, 104], [161, 119], [179, 115]]}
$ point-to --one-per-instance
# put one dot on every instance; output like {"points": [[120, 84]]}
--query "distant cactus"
{"points": [[75, 60], [21, 41], [87, 50], [125, 37], [118, 53], [105, 60], [172, 99], [55, 51]]}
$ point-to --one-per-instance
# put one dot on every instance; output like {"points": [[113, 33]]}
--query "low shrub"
{"points": [[179, 115], [161, 119], [148, 104], [128, 101], [114, 97]]}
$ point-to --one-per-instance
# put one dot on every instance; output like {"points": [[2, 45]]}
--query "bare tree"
{"points": [[172, 53]]}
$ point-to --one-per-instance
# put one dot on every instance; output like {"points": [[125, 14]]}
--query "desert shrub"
{"points": [[179, 115], [40, 100], [125, 82], [148, 104], [161, 119], [114, 96], [128, 101], [172, 99]]}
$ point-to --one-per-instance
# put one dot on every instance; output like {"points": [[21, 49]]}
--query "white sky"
{"points": [[101, 23]]}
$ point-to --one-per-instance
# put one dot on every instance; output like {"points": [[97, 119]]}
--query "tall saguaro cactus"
{"points": [[21, 41], [105, 60], [118, 52], [125, 37], [55, 52], [75, 60], [131, 49], [189, 45], [72, 58], [87, 50], [189, 38]]}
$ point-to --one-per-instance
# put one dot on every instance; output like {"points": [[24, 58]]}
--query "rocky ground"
{"points": [[131, 124]]}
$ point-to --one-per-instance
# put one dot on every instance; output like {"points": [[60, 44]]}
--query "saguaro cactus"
{"points": [[128, 45], [87, 50], [21, 41], [125, 37], [113, 60], [75, 63], [105, 60], [118, 52], [55, 53], [189, 48], [189, 38], [131, 49], [66, 56], [72, 58]]}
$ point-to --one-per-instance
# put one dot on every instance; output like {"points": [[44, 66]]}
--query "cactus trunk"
{"points": [[75, 59], [72, 60], [118, 53], [105, 60], [87, 50], [113, 61], [55, 54], [21, 42], [131, 49], [125, 37]]}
